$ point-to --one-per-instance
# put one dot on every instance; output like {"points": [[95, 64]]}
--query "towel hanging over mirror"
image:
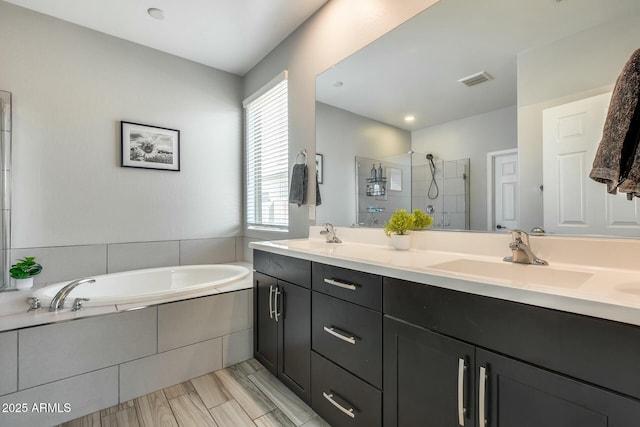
{"points": [[617, 161]]}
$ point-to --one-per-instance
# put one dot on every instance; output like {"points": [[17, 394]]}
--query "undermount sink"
{"points": [[629, 288], [524, 274]]}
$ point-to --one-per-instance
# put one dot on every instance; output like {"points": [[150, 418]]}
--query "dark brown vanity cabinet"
{"points": [[282, 319], [346, 361], [437, 373]]}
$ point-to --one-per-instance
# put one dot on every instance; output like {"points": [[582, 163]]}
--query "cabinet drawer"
{"points": [[350, 285], [335, 391], [348, 335], [292, 270]]}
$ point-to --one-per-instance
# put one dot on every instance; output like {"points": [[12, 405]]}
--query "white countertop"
{"points": [[595, 290]]}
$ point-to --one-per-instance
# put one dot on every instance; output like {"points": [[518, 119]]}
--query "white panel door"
{"points": [[574, 203], [505, 169]]}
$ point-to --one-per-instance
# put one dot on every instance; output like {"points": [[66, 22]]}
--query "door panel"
{"points": [[265, 327]]}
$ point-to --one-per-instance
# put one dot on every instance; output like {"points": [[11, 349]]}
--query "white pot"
{"points": [[401, 242], [24, 283]]}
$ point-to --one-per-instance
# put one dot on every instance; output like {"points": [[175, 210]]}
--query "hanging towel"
{"points": [[298, 190], [617, 161], [318, 198]]}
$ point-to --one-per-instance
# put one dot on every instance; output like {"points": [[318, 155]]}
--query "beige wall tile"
{"points": [[237, 347], [208, 251], [135, 256]]}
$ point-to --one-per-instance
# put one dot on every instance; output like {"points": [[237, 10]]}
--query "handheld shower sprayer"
{"points": [[433, 185]]}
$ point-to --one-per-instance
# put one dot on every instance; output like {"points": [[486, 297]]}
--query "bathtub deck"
{"points": [[245, 394]]}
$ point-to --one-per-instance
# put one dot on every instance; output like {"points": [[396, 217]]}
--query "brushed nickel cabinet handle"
{"points": [[340, 284], [482, 419], [270, 301], [332, 331], [461, 374], [344, 410], [275, 303]]}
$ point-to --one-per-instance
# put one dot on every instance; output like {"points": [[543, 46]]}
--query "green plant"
{"points": [[402, 221], [25, 268]]}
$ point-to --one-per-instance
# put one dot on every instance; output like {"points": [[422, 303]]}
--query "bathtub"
{"points": [[147, 285]]}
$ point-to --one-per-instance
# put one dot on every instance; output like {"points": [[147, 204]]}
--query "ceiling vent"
{"points": [[476, 79]]}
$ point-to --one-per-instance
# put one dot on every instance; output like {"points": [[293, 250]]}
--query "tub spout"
{"points": [[57, 303]]}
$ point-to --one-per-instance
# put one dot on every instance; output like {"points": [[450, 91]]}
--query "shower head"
{"points": [[429, 156]]}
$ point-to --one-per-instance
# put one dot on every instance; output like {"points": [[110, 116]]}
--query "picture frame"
{"points": [[149, 147], [319, 167]]}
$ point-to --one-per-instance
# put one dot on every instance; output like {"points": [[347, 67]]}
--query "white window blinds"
{"points": [[267, 156]]}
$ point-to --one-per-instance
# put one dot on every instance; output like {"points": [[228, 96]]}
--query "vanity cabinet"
{"points": [[442, 368], [282, 319], [346, 333]]}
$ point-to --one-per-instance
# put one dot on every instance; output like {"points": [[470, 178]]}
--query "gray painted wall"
{"points": [[336, 31], [71, 88], [472, 137], [340, 137]]}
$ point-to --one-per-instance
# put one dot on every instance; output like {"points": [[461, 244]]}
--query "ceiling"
{"points": [[230, 35], [415, 68]]}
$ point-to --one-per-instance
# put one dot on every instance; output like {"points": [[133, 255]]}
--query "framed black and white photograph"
{"points": [[319, 166], [150, 147]]}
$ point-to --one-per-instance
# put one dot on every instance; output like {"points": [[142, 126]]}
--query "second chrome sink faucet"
{"points": [[330, 233], [521, 250]]}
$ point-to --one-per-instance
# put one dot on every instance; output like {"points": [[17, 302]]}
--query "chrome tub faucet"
{"points": [[57, 303], [521, 250], [330, 233]]}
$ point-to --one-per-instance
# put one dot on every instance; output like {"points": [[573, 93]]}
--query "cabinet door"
{"points": [[294, 338], [428, 378], [265, 328], [515, 394]]}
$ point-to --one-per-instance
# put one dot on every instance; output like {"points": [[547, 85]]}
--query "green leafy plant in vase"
{"points": [[23, 272], [401, 222]]}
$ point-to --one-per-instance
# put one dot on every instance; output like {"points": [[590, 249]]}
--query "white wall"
{"points": [[584, 65], [71, 87], [341, 136], [471, 137], [336, 31]]}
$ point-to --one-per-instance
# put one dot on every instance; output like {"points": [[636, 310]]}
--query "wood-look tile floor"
{"points": [[241, 395]]}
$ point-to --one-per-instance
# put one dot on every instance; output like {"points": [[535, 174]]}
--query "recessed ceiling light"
{"points": [[156, 13], [410, 118], [337, 84]]}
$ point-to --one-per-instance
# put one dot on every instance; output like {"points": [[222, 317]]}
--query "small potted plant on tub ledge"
{"points": [[23, 272], [401, 222]]}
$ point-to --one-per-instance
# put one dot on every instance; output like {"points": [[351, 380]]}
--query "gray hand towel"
{"points": [[298, 189], [318, 198], [617, 161]]}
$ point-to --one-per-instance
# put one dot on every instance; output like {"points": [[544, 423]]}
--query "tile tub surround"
{"points": [[244, 394], [608, 292], [99, 361]]}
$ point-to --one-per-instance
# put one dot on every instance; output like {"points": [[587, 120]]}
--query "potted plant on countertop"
{"points": [[401, 222], [23, 272]]}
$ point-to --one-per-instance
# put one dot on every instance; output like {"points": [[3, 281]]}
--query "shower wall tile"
{"points": [[208, 251], [9, 364], [239, 248], [199, 319], [85, 394], [92, 343], [155, 372], [134, 256], [66, 262]]}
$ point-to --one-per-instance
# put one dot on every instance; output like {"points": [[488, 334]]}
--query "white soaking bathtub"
{"points": [[138, 286]]}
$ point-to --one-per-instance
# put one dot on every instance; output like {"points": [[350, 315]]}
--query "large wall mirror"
{"points": [[497, 90]]}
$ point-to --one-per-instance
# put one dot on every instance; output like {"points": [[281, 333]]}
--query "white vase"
{"points": [[24, 283], [401, 242]]}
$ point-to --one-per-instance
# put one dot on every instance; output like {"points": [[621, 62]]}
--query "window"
{"points": [[267, 156]]}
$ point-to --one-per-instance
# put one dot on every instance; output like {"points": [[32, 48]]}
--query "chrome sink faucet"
{"points": [[330, 233], [57, 303], [521, 250]]}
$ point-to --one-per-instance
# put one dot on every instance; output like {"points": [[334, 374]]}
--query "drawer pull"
{"points": [[339, 284], [344, 410], [461, 409], [332, 331]]}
